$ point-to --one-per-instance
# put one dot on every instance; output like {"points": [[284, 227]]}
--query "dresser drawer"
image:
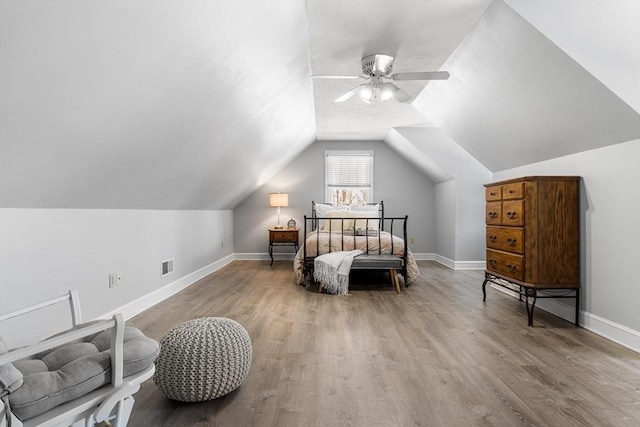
{"points": [[513, 191], [494, 213], [508, 239], [513, 213], [283, 236], [507, 264], [493, 193]]}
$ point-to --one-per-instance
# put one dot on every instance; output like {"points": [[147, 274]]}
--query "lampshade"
{"points": [[278, 199]]}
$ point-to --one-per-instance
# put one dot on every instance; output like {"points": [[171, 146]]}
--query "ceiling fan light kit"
{"points": [[376, 90], [376, 68], [370, 92]]}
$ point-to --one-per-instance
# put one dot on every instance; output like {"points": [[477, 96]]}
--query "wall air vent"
{"points": [[167, 267]]}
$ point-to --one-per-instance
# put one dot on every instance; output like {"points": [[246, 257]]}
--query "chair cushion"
{"points": [[10, 377], [10, 380], [72, 370]]}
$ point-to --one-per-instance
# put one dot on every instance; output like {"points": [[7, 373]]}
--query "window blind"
{"points": [[351, 169]]}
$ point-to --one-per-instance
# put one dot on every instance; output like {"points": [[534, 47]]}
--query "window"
{"points": [[348, 177]]}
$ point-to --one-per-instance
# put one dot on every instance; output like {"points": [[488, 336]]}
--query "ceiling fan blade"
{"points": [[338, 77], [349, 94], [424, 75]]}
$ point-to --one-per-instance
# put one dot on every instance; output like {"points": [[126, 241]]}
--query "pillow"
{"points": [[366, 224], [337, 224], [322, 209], [374, 210], [366, 211]]}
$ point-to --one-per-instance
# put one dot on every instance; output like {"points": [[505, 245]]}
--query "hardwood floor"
{"points": [[435, 355]]}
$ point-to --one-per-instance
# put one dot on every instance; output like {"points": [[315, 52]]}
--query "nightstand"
{"points": [[282, 237]]}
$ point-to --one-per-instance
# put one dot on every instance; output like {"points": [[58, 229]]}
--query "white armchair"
{"points": [[80, 377]]}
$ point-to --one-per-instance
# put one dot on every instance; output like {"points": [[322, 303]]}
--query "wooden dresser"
{"points": [[533, 238]]}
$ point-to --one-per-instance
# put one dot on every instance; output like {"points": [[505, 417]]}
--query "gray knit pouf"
{"points": [[203, 359]]}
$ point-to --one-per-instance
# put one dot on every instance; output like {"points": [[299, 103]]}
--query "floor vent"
{"points": [[167, 267]]}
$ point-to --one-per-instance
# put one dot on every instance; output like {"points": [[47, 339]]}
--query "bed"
{"points": [[331, 229]]}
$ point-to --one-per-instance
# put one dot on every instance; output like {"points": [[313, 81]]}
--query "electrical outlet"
{"points": [[413, 240], [222, 244], [115, 279]]}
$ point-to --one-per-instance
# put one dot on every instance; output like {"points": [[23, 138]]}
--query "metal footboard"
{"points": [[337, 236]]}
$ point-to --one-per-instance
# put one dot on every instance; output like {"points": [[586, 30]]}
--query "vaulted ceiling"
{"points": [[195, 104], [420, 35]]}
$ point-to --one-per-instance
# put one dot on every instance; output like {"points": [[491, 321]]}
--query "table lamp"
{"points": [[278, 200]]}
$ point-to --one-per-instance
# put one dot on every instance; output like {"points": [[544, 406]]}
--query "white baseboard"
{"points": [[149, 300], [460, 265], [419, 256], [504, 290], [258, 256], [612, 331], [552, 306], [251, 257], [289, 256]]}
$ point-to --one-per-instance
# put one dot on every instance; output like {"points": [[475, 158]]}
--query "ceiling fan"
{"points": [[377, 69]]}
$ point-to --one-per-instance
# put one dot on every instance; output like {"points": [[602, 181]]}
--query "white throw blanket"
{"points": [[332, 270]]}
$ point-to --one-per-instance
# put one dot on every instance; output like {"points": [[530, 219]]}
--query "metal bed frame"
{"points": [[370, 259]]}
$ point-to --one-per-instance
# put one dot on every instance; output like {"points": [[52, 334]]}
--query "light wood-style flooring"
{"points": [[435, 355]]}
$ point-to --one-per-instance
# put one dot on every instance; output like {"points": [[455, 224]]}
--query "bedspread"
{"points": [[323, 242]]}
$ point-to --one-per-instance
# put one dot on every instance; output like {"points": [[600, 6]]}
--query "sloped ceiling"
{"points": [[602, 36], [195, 104], [149, 105], [516, 98]]}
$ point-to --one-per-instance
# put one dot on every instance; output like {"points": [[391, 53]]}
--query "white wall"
{"points": [[610, 235], [465, 203], [470, 229], [45, 252], [404, 189], [445, 205]]}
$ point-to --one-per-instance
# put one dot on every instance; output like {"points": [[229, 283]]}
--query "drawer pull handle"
{"points": [[493, 262], [492, 214], [511, 191], [493, 239], [512, 215], [494, 194], [511, 241], [511, 268]]}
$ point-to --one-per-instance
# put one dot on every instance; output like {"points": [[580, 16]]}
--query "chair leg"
{"points": [[124, 411], [119, 417]]}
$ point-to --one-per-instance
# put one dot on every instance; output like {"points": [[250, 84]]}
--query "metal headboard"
{"points": [[314, 224]]}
